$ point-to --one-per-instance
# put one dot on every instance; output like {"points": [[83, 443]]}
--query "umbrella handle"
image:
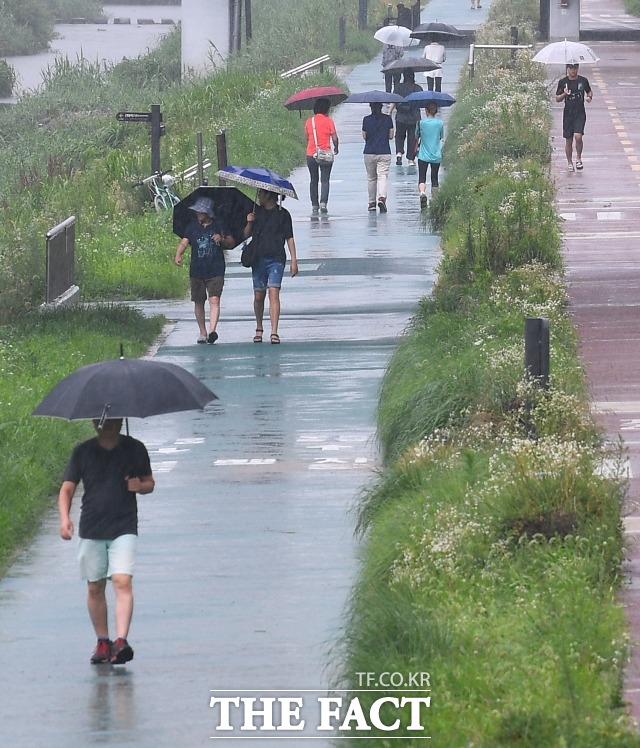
{"points": [[103, 417]]}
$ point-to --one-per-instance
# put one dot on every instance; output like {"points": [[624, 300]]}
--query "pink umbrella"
{"points": [[306, 98]]}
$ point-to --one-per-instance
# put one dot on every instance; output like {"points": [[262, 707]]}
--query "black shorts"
{"points": [[572, 123]]}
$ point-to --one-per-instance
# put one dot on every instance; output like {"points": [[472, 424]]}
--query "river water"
{"points": [[108, 42]]}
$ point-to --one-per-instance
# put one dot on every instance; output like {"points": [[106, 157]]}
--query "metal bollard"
{"points": [[536, 350]]}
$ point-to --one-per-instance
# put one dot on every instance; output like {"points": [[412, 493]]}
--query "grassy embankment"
{"points": [[492, 539], [632, 7], [63, 153]]}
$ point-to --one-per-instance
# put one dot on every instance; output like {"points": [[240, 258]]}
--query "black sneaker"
{"points": [[213, 336], [382, 204], [102, 652], [398, 160], [121, 652]]}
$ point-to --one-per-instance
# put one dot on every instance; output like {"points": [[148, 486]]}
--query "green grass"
{"points": [[632, 7]]}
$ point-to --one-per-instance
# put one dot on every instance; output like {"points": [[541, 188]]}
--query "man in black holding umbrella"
{"points": [[407, 116], [113, 468]]}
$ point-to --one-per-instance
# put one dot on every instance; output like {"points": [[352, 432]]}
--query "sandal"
{"points": [[275, 338], [257, 338]]}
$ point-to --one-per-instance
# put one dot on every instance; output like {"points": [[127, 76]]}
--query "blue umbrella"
{"points": [[259, 177], [424, 97], [372, 97]]}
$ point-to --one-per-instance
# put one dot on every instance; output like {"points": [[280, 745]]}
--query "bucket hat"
{"points": [[204, 205]]}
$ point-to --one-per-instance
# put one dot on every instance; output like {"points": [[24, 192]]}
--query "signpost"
{"points": [[154, 117]]}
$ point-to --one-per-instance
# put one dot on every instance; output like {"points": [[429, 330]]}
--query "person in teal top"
{"points": [[429, 136]]}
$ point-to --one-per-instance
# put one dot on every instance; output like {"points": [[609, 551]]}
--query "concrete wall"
{"points": [[205, 35], [564, 20]]}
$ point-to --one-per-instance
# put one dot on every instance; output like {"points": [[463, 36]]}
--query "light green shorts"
{"points": [[101, 559]]}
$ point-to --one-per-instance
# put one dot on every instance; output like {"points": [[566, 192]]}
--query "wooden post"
{"points": [[247, 20], [342, 33], [362, 14], [201, 179], [156, 119], [514, 40], [221, 148]]}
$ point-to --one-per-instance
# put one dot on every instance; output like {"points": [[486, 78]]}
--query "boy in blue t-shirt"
{"points": [[207, 238]]}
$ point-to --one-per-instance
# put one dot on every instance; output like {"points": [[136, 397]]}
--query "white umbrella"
{"points": [[566, 53], [399, 36]]}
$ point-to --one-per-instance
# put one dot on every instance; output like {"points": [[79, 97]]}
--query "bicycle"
{"points": [[159, 185]]}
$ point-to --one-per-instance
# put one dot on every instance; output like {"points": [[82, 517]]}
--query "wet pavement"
{"points": [[247, 553]]}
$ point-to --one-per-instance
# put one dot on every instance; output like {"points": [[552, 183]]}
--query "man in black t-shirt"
{"points": [[113, 468], [270, 227], [573, 89]]}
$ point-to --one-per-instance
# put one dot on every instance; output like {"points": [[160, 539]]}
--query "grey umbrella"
{"points": [[125, 388]]}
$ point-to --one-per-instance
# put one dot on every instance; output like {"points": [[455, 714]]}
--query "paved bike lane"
{"points": [[247, 552]]}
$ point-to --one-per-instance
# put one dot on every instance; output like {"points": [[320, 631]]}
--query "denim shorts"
{"points": [[101, 559], [267, 273]]}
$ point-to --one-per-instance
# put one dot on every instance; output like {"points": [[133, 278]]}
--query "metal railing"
{"points": [[317, 63], [60, 259]]}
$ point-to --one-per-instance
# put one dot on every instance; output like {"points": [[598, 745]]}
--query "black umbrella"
{"points": [[125, 388], [431, 28], [230, 204], [417, 64]]}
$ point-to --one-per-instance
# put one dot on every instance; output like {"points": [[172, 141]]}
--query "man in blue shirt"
{"points": [[377, 131]]}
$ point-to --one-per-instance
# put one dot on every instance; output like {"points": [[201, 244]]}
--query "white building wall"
{"points": [[205, 35]]}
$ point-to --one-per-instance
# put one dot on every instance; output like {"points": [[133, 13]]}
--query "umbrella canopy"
{"points": [[371, 97], [307, 98], [258, 177], [230, 205], [432, 28], [417, 64], [125, 388], [399, 36], [424, 97], [566, 53]]}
